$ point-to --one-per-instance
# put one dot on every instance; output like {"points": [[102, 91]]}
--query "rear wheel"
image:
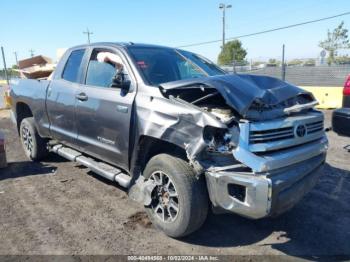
{"points": [[34, 146], [179, 200]]}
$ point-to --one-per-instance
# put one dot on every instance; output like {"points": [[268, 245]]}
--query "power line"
{"points": [[268, 31]]}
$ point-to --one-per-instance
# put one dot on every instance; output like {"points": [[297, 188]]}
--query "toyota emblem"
{"points": [[300, 130]]}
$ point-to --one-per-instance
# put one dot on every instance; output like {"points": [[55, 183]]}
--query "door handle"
{"points": [[82, 97]]}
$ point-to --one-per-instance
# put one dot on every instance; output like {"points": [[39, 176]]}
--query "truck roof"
{"points": [[119, 44]]}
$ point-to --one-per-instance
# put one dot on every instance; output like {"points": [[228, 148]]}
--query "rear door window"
{"points": [[72, 68]]}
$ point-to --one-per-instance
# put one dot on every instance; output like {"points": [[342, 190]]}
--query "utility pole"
{"points": [[88, 33], [4, 61], [223, 7], [15, 53], [31, 51], [283, 65]]}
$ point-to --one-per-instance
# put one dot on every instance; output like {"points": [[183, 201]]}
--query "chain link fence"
{"points": [[334, 75], [10, 73]]}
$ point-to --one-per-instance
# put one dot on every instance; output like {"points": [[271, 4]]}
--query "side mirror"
{"points": [[119, 81]]}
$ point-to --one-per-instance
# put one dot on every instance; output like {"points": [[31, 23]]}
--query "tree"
{"points": [[310, 62], [294, 62], [342, 60], [232, 51], [273, 62], [338, 39], [257, 63]]}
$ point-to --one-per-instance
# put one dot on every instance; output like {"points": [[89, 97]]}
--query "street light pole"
{"points": [[223, 7]]}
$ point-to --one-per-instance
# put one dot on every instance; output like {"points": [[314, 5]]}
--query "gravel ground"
{"points": [[59, 207]]}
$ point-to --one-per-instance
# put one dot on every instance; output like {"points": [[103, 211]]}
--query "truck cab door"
{"points": [[103, 113], [60, 99]]}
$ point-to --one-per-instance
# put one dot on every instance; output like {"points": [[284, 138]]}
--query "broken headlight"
{"points": [[220, 140]]}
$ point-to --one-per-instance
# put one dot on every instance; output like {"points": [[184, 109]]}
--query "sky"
{"points": [[45, 26]]}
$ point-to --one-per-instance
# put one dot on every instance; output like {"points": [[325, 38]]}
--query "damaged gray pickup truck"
{"points": [[175, 130]]}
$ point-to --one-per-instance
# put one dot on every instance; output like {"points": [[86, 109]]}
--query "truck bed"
{"points": [[32, 92]]}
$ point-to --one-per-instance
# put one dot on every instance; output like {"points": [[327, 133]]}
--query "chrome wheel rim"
{"points": [[27, 139], [165, 199]]}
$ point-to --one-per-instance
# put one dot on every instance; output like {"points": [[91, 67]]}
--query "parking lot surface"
{"points": [[59, 207]]}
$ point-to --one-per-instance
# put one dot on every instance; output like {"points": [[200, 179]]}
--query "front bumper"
{"points": [[264, 194]]}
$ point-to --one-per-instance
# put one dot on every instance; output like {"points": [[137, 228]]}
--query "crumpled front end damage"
{"points": [[257, 140]]}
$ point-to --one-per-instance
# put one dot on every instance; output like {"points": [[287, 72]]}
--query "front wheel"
{"points": [[34, 146], [179, 200]]}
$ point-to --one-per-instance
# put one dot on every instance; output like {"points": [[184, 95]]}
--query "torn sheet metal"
{"points": [[175, 122], [242, 91], [141, 191]]}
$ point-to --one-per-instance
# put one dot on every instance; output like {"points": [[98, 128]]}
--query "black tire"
{"points": [[192, 197], [35, 147]]}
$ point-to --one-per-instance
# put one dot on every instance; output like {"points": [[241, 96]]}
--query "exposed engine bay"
{"points": [[250, 97], [266, 99]]}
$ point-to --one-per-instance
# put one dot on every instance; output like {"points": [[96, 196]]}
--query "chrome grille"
{"points": [[314, 127], [264, 136], [272, 135]]}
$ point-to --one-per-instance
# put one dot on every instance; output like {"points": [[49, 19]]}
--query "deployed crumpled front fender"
{"points": [[175, 122], [171, 121]]}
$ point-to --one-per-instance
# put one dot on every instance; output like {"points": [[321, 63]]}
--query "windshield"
{"points": [[161, 65], [204, 63]]}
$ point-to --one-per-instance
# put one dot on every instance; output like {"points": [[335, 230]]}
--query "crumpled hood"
{"points": [[240, 91]]}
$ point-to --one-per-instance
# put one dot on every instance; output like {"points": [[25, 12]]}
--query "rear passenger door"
{"points": [[103, 113], [61, 100]]}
